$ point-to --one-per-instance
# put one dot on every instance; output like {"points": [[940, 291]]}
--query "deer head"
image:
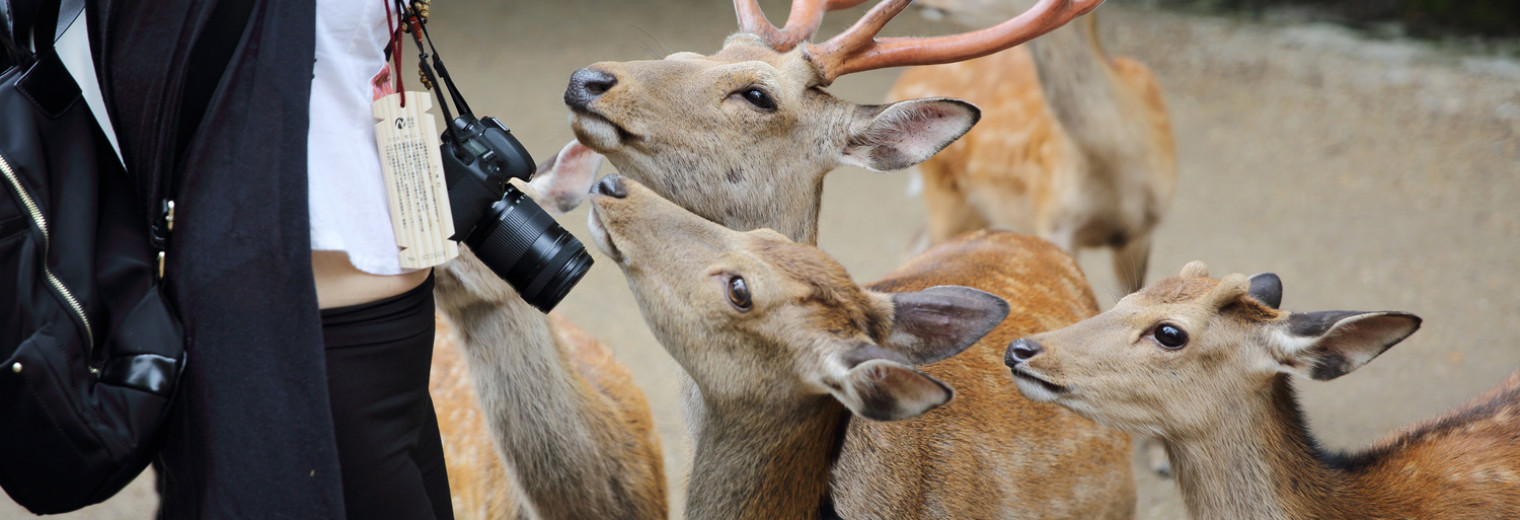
{"points": [[743, 137], [754, 317], [1175, 359]]}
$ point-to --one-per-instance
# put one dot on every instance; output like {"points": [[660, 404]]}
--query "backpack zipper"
{"points": [[41, 222]]}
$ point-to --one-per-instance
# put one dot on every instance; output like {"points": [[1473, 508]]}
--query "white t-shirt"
{"points": [[349, 209]]}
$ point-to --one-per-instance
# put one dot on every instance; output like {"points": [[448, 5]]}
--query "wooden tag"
{"points": [[414, 183]]}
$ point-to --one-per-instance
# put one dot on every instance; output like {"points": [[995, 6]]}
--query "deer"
{"points": [[538, 420], [1074, 145], [800, 383], [1207, 365], [744, 137]]}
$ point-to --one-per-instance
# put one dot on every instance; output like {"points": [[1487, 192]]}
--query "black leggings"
{"points": [[378, 356]]}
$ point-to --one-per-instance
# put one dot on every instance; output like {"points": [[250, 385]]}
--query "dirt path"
{"points": [[1369, 175]]}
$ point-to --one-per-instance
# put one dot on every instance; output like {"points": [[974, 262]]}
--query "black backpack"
{"points": [[92, 350]]}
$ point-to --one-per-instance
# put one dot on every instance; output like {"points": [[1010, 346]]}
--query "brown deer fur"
{"points": [[766, 432], [574, 432], [538, 420], [1227, 413], [1073, 145]]}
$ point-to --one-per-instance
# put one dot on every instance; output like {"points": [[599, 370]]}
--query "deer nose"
{"points": [[586, 85], [1021, 351], [611, 186]]}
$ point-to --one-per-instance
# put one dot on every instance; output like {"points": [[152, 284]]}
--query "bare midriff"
{"points": [[340, 284]]}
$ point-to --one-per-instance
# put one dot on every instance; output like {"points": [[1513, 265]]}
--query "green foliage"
{"points": [[1423, 17], [1480, 16]]}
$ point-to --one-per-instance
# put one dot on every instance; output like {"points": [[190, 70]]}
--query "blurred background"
{"points": [[1367, 151]]}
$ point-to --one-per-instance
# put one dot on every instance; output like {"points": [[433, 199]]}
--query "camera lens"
{"points": [[525, 246]]}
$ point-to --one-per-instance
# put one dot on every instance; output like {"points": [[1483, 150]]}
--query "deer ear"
{"points": [[940, 322], [1329, 344], [902, 134], [880, 387], [564, 181], [1267, 288]]}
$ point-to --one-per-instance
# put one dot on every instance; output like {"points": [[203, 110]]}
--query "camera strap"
{"points": [[407, 139], [415, 22]]}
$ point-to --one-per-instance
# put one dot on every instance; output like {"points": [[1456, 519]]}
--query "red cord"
{"points": [[395, 44]]}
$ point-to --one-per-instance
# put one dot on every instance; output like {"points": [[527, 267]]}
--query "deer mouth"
{"points": [[597, 132], [1034, 387], [600, 235]]}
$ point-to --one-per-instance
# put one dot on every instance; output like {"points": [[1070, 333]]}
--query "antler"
{"points": [[857, 49], [801, 23]]}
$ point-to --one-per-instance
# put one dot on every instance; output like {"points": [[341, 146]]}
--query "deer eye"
{"points": [[738, 294], [759, 99], [1170, 336]]}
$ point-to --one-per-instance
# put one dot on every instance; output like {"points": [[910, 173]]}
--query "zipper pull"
{"points": [[162, 226]]}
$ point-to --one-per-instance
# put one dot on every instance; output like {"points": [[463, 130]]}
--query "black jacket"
{"points": [[251, 433]]}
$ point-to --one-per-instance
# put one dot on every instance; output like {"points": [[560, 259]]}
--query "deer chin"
{"points": [[600, 236], [597, 132], [1034, 387]]}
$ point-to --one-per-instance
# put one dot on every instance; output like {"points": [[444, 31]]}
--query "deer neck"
{"points": [[508, 344], [773, 464], [1083, 91], [548, 422], [1262, 464]]}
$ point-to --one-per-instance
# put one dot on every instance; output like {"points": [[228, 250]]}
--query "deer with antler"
{"points": [[1074, 145], [744, 137]]}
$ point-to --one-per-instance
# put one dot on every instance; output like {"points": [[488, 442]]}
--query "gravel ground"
{"points": [[1368, 174]]}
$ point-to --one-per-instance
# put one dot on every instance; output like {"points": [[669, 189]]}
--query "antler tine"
{"points": [[752, 20], [857, 49], [801, 23]]}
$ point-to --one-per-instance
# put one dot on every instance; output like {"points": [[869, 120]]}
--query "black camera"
{"points": [[503, 226]]}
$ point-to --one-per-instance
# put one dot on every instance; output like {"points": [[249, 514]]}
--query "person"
{"points": [[377, 318], [305, 389]]}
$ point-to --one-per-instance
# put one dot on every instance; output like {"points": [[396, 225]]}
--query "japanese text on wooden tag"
{"points": [[419, 199]]}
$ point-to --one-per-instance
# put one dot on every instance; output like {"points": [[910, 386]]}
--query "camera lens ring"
{"points": [[524, 246]]}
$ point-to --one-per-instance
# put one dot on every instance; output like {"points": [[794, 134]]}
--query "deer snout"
{"points": [[586, 85], [611, 186], [1021, 351]]}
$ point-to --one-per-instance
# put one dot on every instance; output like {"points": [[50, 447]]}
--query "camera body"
{"points": [[503, 226]]}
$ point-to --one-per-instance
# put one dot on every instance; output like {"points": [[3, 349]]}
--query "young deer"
{"points": [[781, 350], [1206, 365], [1074, 146], [532, 409]]}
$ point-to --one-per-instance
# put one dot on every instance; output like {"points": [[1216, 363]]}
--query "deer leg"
{"points": [[1130, 262], [950, 214]]}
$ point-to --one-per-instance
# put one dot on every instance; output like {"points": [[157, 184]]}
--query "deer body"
{"points": [[780, 432], [1073, 146], [1046, 464], [538, 419], [1462, 465], [1229, 418]]}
